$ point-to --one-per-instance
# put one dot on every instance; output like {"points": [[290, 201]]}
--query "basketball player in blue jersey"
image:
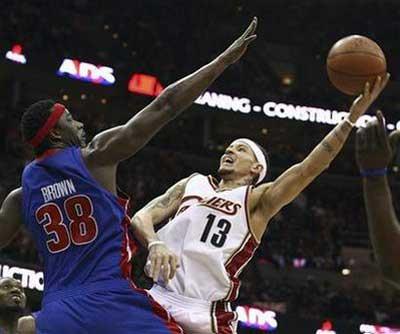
{"points": [[68, 202], [218, 226]]}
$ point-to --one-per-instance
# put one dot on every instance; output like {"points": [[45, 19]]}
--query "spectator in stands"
{"points": [[12, 307]]}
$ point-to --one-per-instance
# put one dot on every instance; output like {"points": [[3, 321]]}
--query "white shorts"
{"points": [[197, 316]]}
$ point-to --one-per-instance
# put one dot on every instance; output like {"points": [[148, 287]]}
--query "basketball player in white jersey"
{"points": [[217, 226]]}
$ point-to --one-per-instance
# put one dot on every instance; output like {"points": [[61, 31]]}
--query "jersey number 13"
{"points": [[218, 238]]}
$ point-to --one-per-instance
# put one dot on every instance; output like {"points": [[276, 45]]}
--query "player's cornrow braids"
{"points": [[33, 119]]}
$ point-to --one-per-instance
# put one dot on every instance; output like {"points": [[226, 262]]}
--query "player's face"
{"points": [[72, 131], [238, 161], [12, 294]]}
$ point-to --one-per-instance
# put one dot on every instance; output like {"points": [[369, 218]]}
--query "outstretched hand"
{"points": [[373, 147], [237, 49], [161, 261], [364, 101]]}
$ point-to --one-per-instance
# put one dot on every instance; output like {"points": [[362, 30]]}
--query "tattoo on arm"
{"points": [[338, 135], [170, 197], [327, 147]]}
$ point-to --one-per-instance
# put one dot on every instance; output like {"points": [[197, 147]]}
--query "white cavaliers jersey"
{"points": [[210, 234]]}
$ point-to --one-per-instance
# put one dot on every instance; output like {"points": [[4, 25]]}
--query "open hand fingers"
{"points": [[165, 268], [394, 137], [367, 90], [376, 88], [385, 80], [381, 129], [380, 84], [173, 261], [155, 267], [251, 28], [249, 39], [370, 135], [361, 139]]}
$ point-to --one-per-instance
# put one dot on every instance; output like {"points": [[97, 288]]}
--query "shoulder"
{"points": [[15, 197], [26, 325], [99, 145], [181, 184], [16, 193], [256, 194], [194, 176]]}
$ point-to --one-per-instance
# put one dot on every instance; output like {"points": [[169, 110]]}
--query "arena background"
{"points": [[315, 271]]}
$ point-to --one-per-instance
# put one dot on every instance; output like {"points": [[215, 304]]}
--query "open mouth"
{"points": [[228, 160], [17, 298]]}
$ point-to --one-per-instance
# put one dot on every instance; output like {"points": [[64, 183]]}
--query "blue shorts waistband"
{"points": [[106, 285]]}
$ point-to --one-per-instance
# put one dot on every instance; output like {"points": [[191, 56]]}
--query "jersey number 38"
{"points": [[80, 230]]}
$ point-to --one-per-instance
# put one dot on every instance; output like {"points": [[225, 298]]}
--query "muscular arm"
{"points": [[119, 143], [157, 211], [295, 179], [384, 228], [374, 152], [299, 176], [114, 145], [10, 216]]}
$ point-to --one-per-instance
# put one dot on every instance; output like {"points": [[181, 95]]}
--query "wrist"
{"points": [[373, 172], [223, 60], [155, 243], [349, 122], [351, 118]]}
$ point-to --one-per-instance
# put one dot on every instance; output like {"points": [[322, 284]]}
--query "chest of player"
{"points": [[214, 222]]}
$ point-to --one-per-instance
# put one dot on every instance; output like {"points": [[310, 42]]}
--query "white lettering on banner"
{"points": [[225, 102], [281, 110], [254, 317], [29, 278], [88, 72], [16, 57], [374, 329], [68, 66]]}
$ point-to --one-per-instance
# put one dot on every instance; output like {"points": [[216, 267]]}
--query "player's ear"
{"points": [[256, 168], [55, 135]]}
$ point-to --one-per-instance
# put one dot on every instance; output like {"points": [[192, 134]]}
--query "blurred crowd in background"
{"points": [[310, 233]]}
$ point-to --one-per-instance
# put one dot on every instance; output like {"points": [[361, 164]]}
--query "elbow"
{"points": [[165, 103], [136, 222]]}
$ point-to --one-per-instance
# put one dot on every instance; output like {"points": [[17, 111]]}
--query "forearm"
{"points": [[181, 94], [157, 211], [114, 145], [143, 229], [384, 227], [322, 155]]}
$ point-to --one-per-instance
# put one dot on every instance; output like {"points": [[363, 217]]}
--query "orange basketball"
{"points": [[354, 60]]}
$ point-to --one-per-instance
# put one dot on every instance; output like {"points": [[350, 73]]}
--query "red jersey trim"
{"points": [[246, 204], [237, 262], [222, 318], [212, 182]]}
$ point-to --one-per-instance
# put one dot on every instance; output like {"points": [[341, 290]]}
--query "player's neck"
{"points": [[51, 150], [8, 323], [232, 184]]}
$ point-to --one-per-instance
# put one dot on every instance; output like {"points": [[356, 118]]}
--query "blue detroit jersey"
{"points": [[80, 228]]}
